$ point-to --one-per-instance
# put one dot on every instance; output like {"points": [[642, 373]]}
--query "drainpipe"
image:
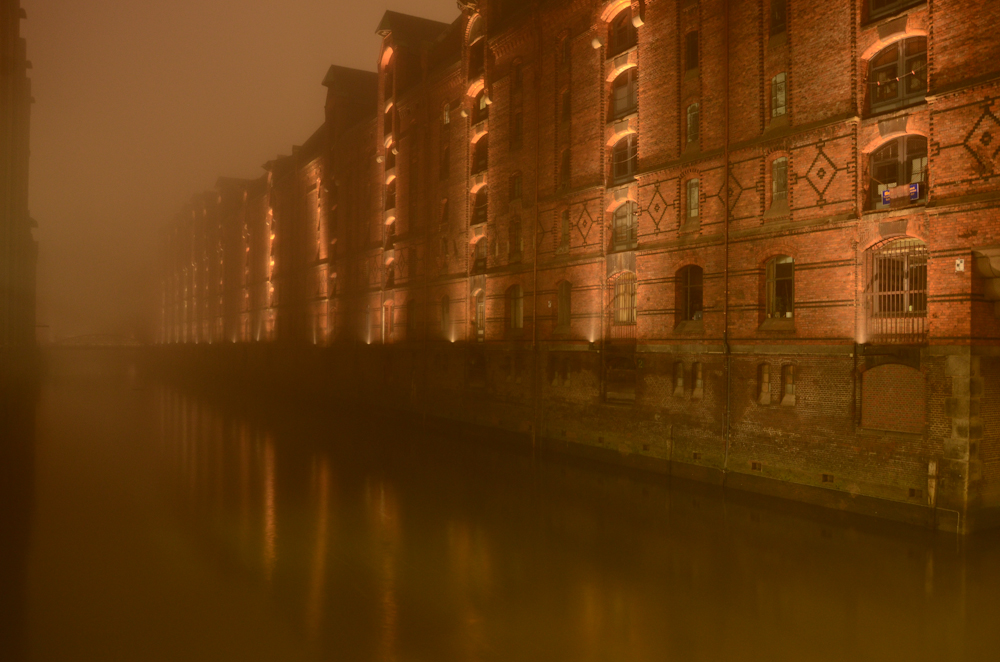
{"points": [[727, 424], [534, 242]]}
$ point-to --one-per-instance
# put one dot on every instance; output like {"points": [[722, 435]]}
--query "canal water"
{"points": [[151, 522]]}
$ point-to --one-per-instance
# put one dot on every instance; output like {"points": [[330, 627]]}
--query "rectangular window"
{"points": [[779, 16], [692, 120], [691, 51], [779, 97], [779, 180], [693, 192]]}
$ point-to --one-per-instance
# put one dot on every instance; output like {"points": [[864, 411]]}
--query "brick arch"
{"points": [[880, 44], [386, 56], [612, 8], [880, 140], [894, 398]]}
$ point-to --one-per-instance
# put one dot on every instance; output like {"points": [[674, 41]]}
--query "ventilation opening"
{"points": [[916, 494], [827, 478], [696, 455], [755, 466]]}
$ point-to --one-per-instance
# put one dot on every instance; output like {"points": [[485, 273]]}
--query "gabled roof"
{"points": [[410, 28], [352, 80]]}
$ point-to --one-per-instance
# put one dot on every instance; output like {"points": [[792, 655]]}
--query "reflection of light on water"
{"points": [[314, 604], [270, 552]]}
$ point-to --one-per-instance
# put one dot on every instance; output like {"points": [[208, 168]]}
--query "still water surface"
{"points": [[146, 522]]}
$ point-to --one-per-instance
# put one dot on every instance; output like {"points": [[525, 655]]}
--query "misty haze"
{"points": [[499, 330]]}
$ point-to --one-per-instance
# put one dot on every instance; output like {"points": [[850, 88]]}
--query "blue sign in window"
{"points": [[886, 198], [914, 192]]}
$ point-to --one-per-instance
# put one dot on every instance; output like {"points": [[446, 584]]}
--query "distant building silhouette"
{"points": [[18, 249]]}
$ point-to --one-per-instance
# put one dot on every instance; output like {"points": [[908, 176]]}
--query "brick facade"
{"points": [[520, 221]]}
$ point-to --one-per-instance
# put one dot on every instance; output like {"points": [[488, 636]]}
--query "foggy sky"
{"points": [[140, 104]]}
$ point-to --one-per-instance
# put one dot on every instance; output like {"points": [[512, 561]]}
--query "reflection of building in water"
{"points": [[18, 248]]}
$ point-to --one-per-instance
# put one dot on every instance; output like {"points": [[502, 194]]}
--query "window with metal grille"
{"points": [[897, 164], [896, 292], [624, 158], [622, 34], [625, 226], [563, 302], [481, 155], [693, 112], [480, 316], [623, 304], [691, 50], [689, 293], [780, 287], [779, 95], [625, 93], [898, 75]]}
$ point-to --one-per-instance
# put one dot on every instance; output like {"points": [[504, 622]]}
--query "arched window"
{"points": [[390, 195], [563, 303], [623, 306], [515, 308], [899, 172], [689, 294], [622, 34], [480, 107], [480, 315], [780, 296], [624, 158], [481, 155], [896, 292], [898, 74], [481, 206], [477, 48], [446, 316], [625, 227], [625, 93]]}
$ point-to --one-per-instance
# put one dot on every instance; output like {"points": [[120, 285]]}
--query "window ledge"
{"points": [[624, 51], [872, 21], [692, 74], [778, 210], [894, 106], [690, 327], [778, 122], [778, 324]]}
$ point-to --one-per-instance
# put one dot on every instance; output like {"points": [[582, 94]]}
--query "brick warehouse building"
{"points": [[18, 248], [520, 221]]}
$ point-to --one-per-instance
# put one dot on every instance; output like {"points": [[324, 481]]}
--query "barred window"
{"points": [[624, 302], [896, 292], [625, 226]]}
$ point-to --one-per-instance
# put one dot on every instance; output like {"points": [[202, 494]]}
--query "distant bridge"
{"points": [[98, 340]]}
